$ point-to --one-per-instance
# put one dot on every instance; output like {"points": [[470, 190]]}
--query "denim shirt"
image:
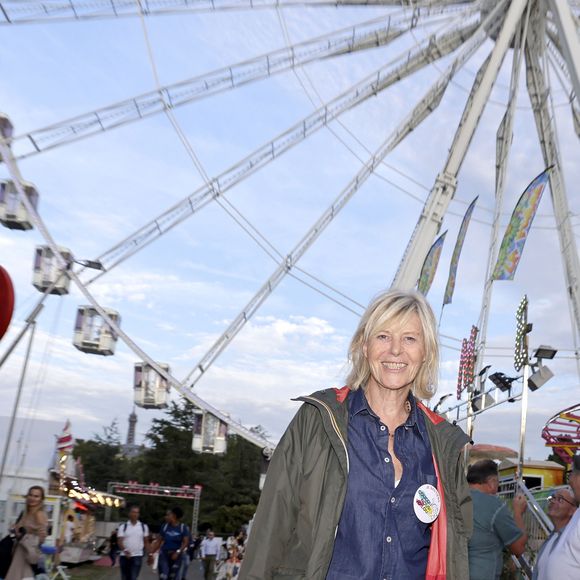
{"points": [[379, 536]]}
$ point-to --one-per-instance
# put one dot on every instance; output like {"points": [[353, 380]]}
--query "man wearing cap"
{"points": [[561, 508], [564, 561], [494, 527]]}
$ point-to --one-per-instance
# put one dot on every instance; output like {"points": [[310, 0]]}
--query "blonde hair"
{"points": [[396, 306]]}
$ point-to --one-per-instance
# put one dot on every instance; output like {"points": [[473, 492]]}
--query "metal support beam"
{"points": [[504, 138], [443, 190], [539, 97], [365, 35], [19, 12], [568, 35]]}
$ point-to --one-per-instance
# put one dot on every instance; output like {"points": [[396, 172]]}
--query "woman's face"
{"points": [[34, 498], [395, 353]]}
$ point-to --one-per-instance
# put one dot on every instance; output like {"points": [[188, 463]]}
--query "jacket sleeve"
{"points": [[463, 495], [276, 516]]}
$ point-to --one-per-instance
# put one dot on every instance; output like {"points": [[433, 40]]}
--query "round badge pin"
{"points": [[427, 503]]}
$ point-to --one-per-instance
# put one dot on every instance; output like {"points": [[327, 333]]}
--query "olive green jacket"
{"points": [[292, 535]]}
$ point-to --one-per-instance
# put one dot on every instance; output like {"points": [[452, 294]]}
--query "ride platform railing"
{"points": [[537, 523]]}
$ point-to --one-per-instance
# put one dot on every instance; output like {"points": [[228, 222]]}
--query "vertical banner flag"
{"points": [[516, 233], [456, 253], [430, 265]]}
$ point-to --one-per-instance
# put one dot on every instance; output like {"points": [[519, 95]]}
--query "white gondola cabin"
{"points": [[92, 333], [6, 128], [13, 213], [210, 434], [47, 271], [151, 390]]}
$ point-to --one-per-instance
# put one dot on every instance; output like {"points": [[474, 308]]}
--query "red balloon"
{"points": [[6, 301]]}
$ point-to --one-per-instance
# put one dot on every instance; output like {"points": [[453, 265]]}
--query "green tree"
{"points": [[228, 481], [101, 458]]}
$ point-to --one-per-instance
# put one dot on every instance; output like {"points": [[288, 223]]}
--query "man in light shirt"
{"points": [[561, 508], [133, 538], [564, 561], [210, 552]]}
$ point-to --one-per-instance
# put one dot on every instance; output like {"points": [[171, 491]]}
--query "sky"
{"points": [[179, 294]]}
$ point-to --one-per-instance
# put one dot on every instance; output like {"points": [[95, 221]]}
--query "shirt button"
{"points": [[383, 427], [387, 460], [389, 539], [393, 500]]}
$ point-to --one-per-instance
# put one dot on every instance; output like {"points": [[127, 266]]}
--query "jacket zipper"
{"points": [[335, 427]]}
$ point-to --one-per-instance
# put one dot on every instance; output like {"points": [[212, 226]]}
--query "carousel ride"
{"points": [[528, 50]]}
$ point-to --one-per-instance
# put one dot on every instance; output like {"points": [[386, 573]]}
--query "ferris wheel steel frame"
{"points": [[18, 12], [469, 37]]}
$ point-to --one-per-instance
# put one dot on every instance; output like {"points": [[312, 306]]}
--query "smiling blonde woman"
{"points": [[367, 482]]}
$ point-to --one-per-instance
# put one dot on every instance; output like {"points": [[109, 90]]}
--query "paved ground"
{"points": [[99, 572]]}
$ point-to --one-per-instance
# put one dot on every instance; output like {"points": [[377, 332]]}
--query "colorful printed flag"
{"points": [[430, 265], [456, 252], [516, 233]]}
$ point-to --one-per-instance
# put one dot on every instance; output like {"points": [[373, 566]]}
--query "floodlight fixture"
{"points": [[484, 370], [545, 352], [501, 381], [481, 402], [440, 402], [540, 377]]}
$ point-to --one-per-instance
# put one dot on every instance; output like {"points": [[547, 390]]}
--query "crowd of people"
{"points": [[172, 549]]}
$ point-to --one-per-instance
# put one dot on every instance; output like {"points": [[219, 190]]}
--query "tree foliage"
{"points": [[101, 458], [230, 482]]}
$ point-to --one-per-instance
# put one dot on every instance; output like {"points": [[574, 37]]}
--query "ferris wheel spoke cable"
{"points": [[25, 12], [363, 36], [288, 41], [421, 111], [12, 167], [405, 64], [226, 205], [368, 151]]}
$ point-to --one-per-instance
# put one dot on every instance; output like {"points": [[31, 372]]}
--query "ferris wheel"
{"points": [[471, 48]]}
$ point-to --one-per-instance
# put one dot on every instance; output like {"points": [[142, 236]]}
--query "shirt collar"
{"points": [[359, 404]]}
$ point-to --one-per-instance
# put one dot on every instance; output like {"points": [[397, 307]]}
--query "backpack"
{"points": [[124, 526]]}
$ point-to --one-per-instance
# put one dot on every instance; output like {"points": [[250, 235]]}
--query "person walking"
{"points": [[133, 541], [172, 543], [30, 530], [494, 527], [561, 508], [210, 553]]}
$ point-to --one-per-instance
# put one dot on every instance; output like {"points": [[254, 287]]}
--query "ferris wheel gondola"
{"points": [[93, 334], [13, 213], [47, 274], [151, 390]]}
